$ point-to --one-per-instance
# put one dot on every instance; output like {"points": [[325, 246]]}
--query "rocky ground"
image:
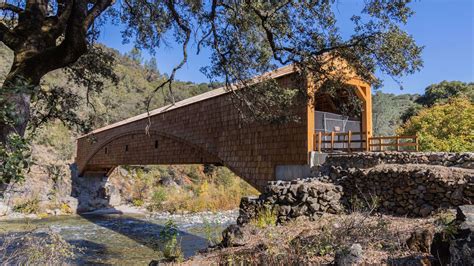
{"points": [[345, 239]]}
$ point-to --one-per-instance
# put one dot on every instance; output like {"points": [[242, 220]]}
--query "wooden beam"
{"points": [[311, 87]]}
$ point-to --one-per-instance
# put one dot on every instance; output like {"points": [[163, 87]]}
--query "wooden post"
{"points": [[398, 143], [349, 137], [416, 141], [332, 140], [380, 144], [320, 141]]}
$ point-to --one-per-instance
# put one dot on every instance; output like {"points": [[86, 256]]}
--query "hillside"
{"points": [[388, 111], [48, 183]]}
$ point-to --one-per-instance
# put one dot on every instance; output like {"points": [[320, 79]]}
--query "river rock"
{"points": [[349, 256], [4, 209], [234, 235]]}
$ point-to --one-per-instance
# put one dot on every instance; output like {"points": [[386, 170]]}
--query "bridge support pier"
{"points": [[290, 172], [92, 192]]}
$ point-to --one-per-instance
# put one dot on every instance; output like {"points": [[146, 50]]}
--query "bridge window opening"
{"points": [[105, 150], [338, 109], [126, 148], [156, 144]]}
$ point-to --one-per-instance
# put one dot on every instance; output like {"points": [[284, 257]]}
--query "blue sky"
{"points": [[444, 27]]}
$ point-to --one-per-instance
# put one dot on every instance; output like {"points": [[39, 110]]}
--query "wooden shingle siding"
{"points": [[207, 131]]}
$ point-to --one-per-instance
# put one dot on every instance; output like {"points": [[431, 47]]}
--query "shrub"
{"points": [[30, 206], [222, 192], [32, 248], [213, 235], [444, 127], [138, 202], [171, 248], [159, 196], [265, 217]]}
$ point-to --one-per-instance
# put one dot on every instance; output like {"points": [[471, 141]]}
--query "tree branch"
{"points": [[7, 36], [183, 25], [63, 14], [10, 7], [95, 11]]}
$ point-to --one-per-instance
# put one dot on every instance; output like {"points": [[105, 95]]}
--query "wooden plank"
{"points": [[332, 141], [343, 141], [406, 144], [320, 136], [394, 137], [349, 137]]}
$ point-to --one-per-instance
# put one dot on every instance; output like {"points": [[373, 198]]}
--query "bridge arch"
{"points": [[137, 147]]}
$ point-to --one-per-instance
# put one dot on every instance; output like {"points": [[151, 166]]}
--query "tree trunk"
{"points": [[16, 94]]}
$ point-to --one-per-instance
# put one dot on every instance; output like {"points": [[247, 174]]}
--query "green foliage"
{"points": [[391, 111], [445, 90], [171, 247], [444, 127], [29, 206], [265, 217], [138, 202], [213, 235], [14, 159], [159, 196]]}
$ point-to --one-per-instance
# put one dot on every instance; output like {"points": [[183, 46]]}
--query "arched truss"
{"points": [[150, 134]]}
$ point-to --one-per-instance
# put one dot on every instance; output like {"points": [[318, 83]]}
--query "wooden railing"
{"points": [[345, 138], [392, 143], [327, 140]]}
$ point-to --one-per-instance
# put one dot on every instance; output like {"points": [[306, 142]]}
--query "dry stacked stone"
{"points": [[400, 183], [414, 190], [291, 199], [366, 160]]}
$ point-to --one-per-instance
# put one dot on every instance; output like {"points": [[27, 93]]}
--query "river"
{"points": [[125, 239]]}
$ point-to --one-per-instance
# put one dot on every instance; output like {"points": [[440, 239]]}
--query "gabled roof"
{"points": [[280, 72]]}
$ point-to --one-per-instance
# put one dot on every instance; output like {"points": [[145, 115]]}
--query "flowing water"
{"points": [[125, 239]]}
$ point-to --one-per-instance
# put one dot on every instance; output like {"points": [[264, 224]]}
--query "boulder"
{"points": [[4, 209], [349, 256], [234, 236], [421, 240], [461, 248]]}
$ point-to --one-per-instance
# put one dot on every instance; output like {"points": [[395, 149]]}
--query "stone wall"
{"points": [[409, 189], [367, 160], [413, 184], [292, 199]]}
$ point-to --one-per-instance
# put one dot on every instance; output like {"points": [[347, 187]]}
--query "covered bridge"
{"points": [[207, 129]]}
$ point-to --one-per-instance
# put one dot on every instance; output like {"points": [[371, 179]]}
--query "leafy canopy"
{"points": [[444, 127], [445, 90]]}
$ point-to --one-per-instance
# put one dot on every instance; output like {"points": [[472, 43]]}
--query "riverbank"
{"points": [[357, 237], [104, 237]]}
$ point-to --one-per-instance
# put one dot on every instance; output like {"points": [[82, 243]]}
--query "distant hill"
{"points": [[388, 110]]}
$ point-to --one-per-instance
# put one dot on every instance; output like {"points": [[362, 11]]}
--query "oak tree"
{"points": [[245, 38]]}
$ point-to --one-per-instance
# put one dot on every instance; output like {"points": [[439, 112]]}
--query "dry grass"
{"points": [[35, 248], [315, 242], [204, 196]]}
